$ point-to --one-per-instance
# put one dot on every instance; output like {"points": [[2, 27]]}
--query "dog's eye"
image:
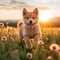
{"points": [[27, 17], [33, 17]]}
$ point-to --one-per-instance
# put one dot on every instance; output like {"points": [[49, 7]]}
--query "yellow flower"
{"points": [[16, 33], [55, 33]]}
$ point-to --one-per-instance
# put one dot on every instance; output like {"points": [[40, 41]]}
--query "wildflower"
{"points": [[15, 51], [55, 33], [16, 33], [4, 38], [11, 29], [7, 24], [59, 49], [29, 55], [41, 42], [12, 38], [47, 38], [58, 53], [49, 58], [54, 47], [14, 55], [1, 25]]}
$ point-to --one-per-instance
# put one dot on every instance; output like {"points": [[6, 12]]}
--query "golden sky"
{"points": [[53, 5]]}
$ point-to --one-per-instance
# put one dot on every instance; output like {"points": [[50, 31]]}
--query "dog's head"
{"points": [[30, 18]]}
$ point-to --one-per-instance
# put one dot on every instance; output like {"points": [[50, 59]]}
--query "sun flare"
{"points": [[45, 15]]}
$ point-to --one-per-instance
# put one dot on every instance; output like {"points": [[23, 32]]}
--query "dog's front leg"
{"points": [[36, 39], [27, 42]]}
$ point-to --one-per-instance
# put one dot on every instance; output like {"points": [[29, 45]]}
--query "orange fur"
{"points": [[30, 28]]}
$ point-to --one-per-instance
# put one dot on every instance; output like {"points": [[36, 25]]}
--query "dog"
{"points": [[30, 28]]}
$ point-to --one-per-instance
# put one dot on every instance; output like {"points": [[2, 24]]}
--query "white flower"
{"points": [[4, 38], [29, 55], [47, 38], [1, 25], [41, 42], [12, 38], [54, 47], [49, 58], [59, 49]]}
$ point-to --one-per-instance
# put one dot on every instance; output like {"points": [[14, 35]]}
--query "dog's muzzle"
{"points": [[31, 24]]}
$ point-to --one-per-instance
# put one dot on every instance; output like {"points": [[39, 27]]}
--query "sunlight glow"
{"points": [[45, 15]]}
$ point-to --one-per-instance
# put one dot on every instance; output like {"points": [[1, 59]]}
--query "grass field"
{"points": [[11, 48]]}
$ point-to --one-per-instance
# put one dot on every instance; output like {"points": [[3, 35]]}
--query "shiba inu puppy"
{"points": [[30, 28]]}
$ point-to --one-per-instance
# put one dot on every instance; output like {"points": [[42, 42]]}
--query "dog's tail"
{"points": [[19, 24]]}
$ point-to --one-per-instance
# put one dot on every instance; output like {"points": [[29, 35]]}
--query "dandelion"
{"points": [[29, 55], [41, 42], [4, 38], [49, 58], [1, 25], [54, 47]]}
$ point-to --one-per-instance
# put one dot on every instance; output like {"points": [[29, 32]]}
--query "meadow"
{"points": [[11, 48]]}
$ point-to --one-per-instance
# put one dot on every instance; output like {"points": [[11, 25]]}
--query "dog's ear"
{"points": [[24, 11], [35, 11]]}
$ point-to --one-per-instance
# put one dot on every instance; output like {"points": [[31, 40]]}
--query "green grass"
{"points": [[14, 49]]}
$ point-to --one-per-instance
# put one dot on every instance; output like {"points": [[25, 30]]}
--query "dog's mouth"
{"points": [[31, 25]]}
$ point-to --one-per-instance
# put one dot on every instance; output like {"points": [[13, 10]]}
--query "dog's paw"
{"points": [[29, 46], [35, 44]]}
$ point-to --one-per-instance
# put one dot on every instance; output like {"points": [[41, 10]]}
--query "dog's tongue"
{"points": [[30, 26]]}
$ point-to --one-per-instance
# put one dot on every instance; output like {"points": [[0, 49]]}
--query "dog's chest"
{"points": [[31, 32]]}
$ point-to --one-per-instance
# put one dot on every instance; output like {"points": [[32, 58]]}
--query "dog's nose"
{"points": [[30, 22]]}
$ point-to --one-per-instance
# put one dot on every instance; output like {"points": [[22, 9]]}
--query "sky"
{"points": [[53, 5]]}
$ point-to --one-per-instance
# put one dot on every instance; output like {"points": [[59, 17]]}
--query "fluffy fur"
{"points": [[30, 28]]}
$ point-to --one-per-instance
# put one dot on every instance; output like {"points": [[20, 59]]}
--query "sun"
{"points": [[44, 16]]}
